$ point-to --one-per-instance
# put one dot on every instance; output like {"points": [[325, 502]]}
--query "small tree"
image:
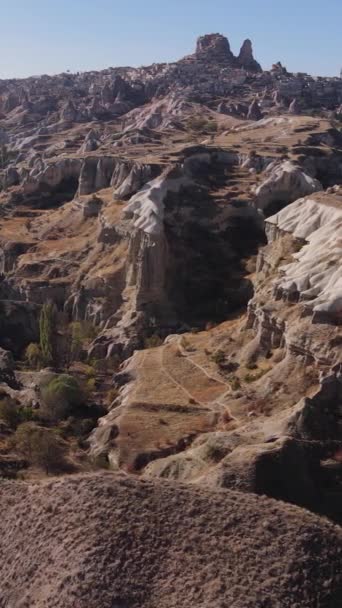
{"points": [[153, 341], [219, 358], [47, 329], [40, 446], [82, 333], [33, 356], [9, 413], [5, 156], [60, 397]]}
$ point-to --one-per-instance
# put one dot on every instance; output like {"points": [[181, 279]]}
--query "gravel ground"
{"points": [[109, 541]]}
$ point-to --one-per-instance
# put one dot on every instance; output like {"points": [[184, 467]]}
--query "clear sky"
{"points": [[51, 36]]}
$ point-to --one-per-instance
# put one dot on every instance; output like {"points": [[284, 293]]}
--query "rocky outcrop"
{"points": [[137, 176], [246, 59], [315, 275], [294, 107], [284, 183], [214, 47], [69, 112], [90, 143], [254, 112], [51, 174]]}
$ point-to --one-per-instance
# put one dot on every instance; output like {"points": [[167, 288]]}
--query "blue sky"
{"points": [[50, 36]]}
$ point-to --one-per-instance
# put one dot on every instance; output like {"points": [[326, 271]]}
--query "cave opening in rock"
{"points": [[329, 178], [207, 275], [51, 198], [276, 205]]}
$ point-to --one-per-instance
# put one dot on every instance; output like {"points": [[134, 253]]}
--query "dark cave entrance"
{"points": [[276, 205], [207, 274], [52, 198]]}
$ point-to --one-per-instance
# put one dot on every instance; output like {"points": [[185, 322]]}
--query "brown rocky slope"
{"points": [[114, 542]]}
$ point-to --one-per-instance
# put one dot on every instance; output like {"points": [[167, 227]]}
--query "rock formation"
{"points": [[246, 59], [294, 107], [284, 183], [254, 112], [214, 47]]}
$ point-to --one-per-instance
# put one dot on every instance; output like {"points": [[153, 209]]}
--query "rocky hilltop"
{"points": [[170, 307]]}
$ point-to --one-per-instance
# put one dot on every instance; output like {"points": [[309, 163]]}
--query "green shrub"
{"points": [[109, 365], [13, 415], [33, 356], [60, 397], [9, 413], [211, 127], [82, 332], [215, 452], [89, 387], [153, 341], [199, 125], [218, 357], [254, 377], [40, 446], [235, 383]]}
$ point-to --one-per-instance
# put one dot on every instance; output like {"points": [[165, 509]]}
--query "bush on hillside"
{"points": [[47, 333], [12, 415], [82, 333], [40, 446], [33, 356], [60, 397], [153, 341], [9, 413]]}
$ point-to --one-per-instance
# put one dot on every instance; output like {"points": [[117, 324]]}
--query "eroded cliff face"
{"points": [[254, 404], [182, 242]]}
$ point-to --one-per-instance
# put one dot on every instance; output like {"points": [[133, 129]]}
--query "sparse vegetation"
{"points": [[40, 446], [218, 357], [215, 452], [201, 125], [109, 365], [82, 333], [153, 341], [9, 413], [33, 356], [12, 415], [5, 156], [47, 329], [112, 394], [235, 383], [60, 397], [249, 378]]}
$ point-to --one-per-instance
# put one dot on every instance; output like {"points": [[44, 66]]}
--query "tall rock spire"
{"points": [[246, 58]]}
